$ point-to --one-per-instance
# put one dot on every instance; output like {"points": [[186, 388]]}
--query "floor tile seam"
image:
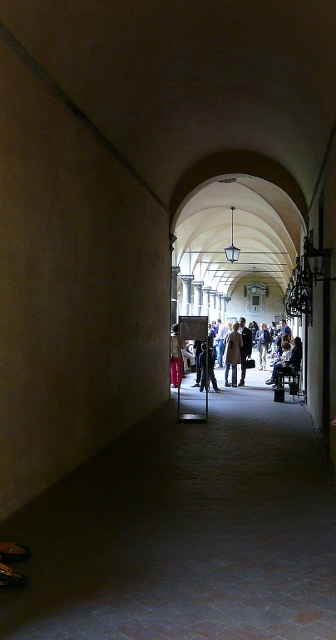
{"points": [[132, 624], [330, 611], [324, 576], [282, 637], [260, 629], [158, 606], [304, 626], [250, 609], [318, 583], [267, 599], [323, 621]]}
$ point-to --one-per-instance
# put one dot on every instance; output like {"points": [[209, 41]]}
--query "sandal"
{"points": [[9, 577], [12, 552]]}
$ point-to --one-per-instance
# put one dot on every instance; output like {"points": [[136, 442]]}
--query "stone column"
{"points": [[213, 295], [173, 304], [186, 294], [223, 307], [219, 305], [206, 301], [198, 297]]}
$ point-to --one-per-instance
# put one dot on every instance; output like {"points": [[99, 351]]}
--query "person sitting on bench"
{"points": [[293, 361]]}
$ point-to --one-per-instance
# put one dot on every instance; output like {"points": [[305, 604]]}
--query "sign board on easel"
{"points": [[193, 328]]}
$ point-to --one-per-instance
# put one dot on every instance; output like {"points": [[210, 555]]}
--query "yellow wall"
{"points": [[84, 291], [317, 341], [273, 304]]}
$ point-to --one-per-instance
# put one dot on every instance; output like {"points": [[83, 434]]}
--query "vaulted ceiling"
{"points": [[264, 224], [193, 93]]}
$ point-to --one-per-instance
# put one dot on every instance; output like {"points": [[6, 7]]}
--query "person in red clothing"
{"points": [[176, 359]]}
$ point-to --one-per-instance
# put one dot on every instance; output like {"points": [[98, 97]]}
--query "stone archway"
{"points": [[269, 226]]}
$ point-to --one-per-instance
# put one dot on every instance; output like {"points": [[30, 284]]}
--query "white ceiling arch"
{"points": [[268, 228]]}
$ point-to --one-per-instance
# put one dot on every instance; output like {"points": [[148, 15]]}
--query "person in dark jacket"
{"points": [[198, 351], [203, 367], [294, 361], [245, 350], [285, 328], [296, 355]]}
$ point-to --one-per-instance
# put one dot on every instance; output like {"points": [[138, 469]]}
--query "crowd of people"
{"points": [[230, 345]]}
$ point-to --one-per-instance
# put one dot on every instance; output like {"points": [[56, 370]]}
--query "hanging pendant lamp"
{"points": [[232, 253]]}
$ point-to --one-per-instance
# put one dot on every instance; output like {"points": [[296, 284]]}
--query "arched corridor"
{"points": [[224, 530], [125, 125]]}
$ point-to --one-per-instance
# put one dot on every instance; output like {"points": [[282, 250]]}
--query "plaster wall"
{"points": [[84, 291], [330, 243], [238, 305]]}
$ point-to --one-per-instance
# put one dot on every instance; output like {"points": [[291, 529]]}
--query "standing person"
{"points": [[246, 349], [203, 366], [211, 335], [254, 328], [232, 357], [285, 328], [272, 329], [198, 351], [222, 333], [263, 341], [176, 359], [212, 339]]}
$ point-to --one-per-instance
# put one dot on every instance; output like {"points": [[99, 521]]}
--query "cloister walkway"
{"points": [[217, 531]]}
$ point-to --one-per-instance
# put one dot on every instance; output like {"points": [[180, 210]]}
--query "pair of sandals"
{"points": [[12, 552]]}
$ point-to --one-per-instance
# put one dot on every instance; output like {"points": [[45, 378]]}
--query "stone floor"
{"points": [[219, 531]]}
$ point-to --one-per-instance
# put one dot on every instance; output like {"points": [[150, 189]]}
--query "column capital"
{"points": [[207, 289], [187, 277], [198, 283], [175, 270]]}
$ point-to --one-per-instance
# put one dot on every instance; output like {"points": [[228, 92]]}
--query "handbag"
{"points": [[249, 363]]}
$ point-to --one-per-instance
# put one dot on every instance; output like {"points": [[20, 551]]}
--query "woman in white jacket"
{"points": [[234, 342]]}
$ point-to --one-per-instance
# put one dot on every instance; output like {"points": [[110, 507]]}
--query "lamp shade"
{"points": [[315, 261], [232, 253]]}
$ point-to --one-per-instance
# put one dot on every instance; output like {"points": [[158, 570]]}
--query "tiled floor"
{"points": [[217, 531]]}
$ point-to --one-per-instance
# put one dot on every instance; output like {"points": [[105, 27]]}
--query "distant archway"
{"points": [[269, 225]]}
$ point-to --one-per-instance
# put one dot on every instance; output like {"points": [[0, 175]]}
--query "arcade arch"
{"points": [[268, 228]]}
